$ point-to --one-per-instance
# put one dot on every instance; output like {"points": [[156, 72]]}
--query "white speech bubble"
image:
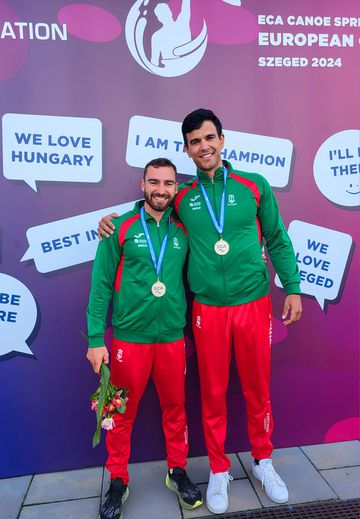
{"points": [[321, 254], [18, 314], [337, 168], [52, 148], [149, 137], [64, 243]]}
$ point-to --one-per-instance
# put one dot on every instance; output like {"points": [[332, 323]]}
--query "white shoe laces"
{"points": [[218, 481], [270, 477]]}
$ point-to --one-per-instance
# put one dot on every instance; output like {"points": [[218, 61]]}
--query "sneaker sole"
{"points": [[125, 496], [183, 503], [279, 501], [219, 511]]}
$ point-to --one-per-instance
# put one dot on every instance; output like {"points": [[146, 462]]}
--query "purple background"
{"points": [[46, 424]]}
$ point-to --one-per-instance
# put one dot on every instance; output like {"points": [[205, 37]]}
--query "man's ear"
{"points": [[187, 150], [222, 138], [142, 185]]}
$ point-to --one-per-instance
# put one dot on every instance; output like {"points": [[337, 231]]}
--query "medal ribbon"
{"points": [[219, 225], [157, 263]]}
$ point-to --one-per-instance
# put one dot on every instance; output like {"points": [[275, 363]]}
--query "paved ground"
{"points": [[313, 473]]}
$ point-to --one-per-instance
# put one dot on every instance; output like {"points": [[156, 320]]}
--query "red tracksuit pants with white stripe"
{"points": [[248, 327], [131, 367]]}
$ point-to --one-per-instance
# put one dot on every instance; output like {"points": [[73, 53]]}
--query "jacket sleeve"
{"points": [[278, 242], [104, 270]]}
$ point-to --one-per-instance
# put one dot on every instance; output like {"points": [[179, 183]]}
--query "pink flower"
{"points": [[108, 424], [94, 405]]}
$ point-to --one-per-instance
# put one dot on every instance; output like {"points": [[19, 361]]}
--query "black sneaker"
{"points": [[115, 497], [189, 494]]}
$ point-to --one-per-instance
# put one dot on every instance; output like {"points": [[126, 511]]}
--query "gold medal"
{"points": [[158, 289], [221, 247]]}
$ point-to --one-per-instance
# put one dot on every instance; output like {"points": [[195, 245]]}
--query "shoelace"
{"points": [[219, 480], [271, 476]]}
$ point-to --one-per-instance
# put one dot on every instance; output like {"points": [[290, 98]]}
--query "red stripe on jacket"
{"points": [[255, 190], [178, 224], [124, 227], [181, 195], [250, 184]]}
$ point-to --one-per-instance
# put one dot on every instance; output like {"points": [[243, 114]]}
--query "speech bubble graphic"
{"points": [[321, 255], [269, 156], [18, 314], [64, 243], [337, 168], [52, 148]]}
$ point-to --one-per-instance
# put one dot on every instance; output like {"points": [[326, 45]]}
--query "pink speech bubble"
{"points": [[90, 23], [348, 429], [13, 52]]}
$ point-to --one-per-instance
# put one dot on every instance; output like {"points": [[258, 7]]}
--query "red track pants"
{"points": [[249, 325], [131, 366]]}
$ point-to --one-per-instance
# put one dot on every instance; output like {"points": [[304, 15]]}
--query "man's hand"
{"points": [[97, 356], [106, 226], [293, 305], [263, 255]]}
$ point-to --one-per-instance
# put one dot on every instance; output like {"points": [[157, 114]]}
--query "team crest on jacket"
{"points": [[232, 200], [176, 243]]}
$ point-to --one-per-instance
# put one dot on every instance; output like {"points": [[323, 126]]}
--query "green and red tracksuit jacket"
{"points": [[251, 213], [123, 271]]}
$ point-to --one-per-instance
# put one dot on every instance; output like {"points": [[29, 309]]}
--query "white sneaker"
{"points": [[274, 486], [217, 492]]}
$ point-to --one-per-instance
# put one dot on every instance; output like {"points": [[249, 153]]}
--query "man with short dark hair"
{"points": [[232, 303], [140, 267]]}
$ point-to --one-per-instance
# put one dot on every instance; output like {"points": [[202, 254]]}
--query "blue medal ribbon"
{"points": [[157, 263], [219, 225]]}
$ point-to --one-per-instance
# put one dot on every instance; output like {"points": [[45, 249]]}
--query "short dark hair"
{"points": [[195, 119], [160, 162]]}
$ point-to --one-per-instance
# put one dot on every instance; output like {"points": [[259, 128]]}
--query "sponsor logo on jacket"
{"points": [[140, 240], [195, 202]]}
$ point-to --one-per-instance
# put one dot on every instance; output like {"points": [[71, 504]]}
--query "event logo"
{"points": [[173, 52]]}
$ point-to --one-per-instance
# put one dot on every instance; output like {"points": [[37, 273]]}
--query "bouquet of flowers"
{"points": [[106, 402]]}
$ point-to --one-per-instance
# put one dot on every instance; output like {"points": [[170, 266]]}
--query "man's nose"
{"points": [[203, 144], [161, 188]]}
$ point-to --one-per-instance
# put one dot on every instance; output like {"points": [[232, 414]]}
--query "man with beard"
{"points": [[140, 267]]}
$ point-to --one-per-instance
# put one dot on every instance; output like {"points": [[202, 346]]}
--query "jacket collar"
{"points": [[139, 204], [218, 176]]}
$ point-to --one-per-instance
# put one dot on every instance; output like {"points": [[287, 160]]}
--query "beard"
{"points": [[158, 204]]}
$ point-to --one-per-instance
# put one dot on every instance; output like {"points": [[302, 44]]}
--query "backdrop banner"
{"points": [[89, 93]]}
